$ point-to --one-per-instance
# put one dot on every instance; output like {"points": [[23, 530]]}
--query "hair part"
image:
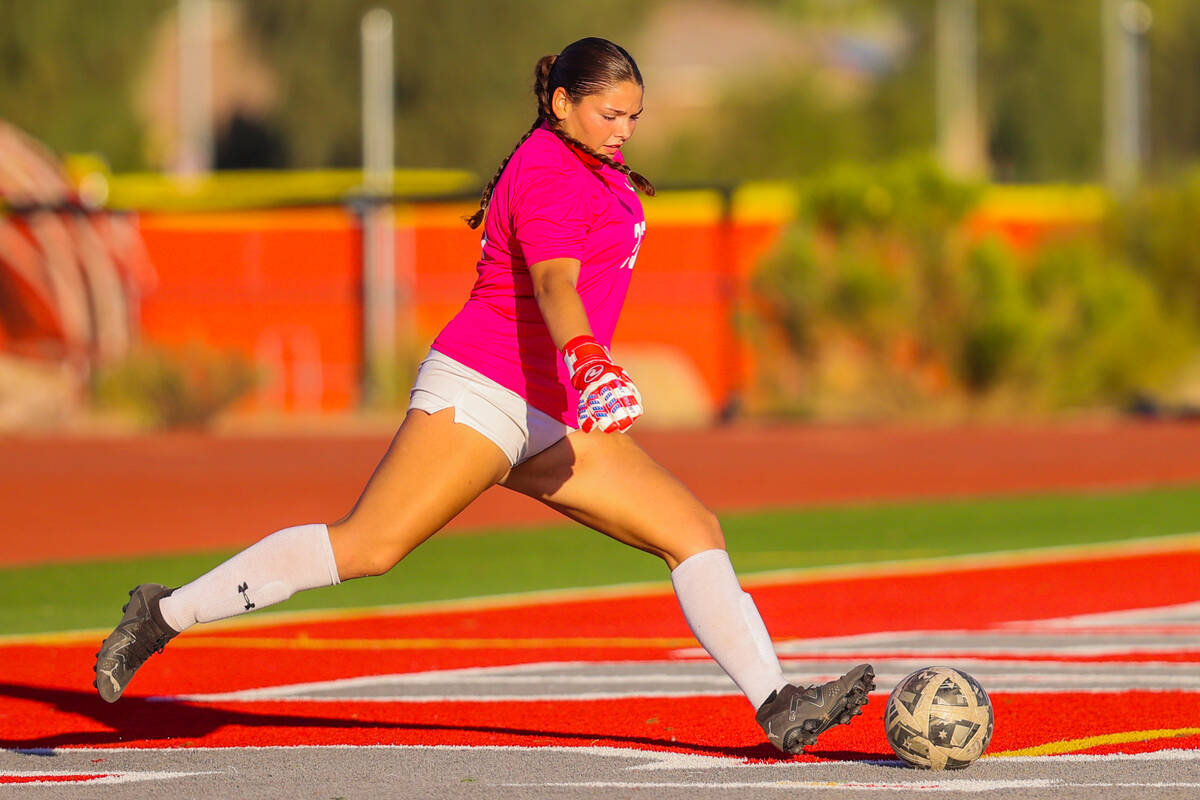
{"points": [[586, 67]]}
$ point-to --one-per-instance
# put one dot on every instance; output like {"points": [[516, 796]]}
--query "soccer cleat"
{"points": [[795, 716], [140, 634]]}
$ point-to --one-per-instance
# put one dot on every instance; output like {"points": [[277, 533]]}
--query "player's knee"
{"points": [[363, 552], [702, 533], [709, 534], [374, 563]]}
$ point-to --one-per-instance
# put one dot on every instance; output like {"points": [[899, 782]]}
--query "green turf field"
{"points": [[90, 595]]}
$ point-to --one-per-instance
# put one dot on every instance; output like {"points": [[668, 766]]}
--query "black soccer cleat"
{"points": [[141, 633], [795, 716]]}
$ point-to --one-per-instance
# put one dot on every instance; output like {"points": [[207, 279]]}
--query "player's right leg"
{"points": [[433, 469], [607, 482]]}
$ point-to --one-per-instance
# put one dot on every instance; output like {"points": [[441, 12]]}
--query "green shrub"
{"points": [[996, 332], [1155, 230], [862, 286], [912, 193], [877, 289], [1106, 331], [174, 388]]}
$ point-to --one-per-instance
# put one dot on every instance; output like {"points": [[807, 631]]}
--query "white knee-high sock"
{"points": [[726, 622], [266, 573]]}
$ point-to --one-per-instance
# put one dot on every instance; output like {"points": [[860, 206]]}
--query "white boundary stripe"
{"points": [[657, 759], [962, 785], [584, 696], [998, 558], [1154, 615], [103, 777], [233, 697], [1010, 675]]}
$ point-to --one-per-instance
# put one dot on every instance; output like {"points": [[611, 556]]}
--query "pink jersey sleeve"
{"points": [[550, 214]]}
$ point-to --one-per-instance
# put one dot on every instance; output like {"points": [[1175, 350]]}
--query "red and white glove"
{"points": [[608, 400]]}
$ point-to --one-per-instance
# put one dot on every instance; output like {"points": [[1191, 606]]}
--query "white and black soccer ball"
{"points": [[939, 718]]}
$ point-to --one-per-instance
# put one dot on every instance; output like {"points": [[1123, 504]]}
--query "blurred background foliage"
{"points": [[880, 301], [841, 79], [81, 102], [179, 387]]}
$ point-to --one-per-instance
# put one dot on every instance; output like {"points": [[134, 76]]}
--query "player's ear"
{"points": [[560, 103]]}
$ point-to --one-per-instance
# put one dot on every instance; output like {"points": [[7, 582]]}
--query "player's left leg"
{"points": [[607, 482], [433, 469]]}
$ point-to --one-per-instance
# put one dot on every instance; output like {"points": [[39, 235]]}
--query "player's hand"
{"points": [[608, 399]]}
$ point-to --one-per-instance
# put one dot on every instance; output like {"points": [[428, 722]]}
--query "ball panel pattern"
{"points": [[939, 718]]}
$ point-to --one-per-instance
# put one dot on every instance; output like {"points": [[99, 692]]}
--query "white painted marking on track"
{"points": [[659, 759], [104, 778], [612, 680], [1186, 612], [963, 785], [452, 698]]}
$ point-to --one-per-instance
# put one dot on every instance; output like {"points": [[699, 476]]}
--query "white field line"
{"points": [[1187, 612], [1043, 555], [103, 777], [1034, 680], [892, 652], [650, 759], [588, 696], [666, 677], [909, 651], [234, 697], [962, 785]]}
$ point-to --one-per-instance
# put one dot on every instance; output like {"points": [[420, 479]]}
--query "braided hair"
{"points": [[583, 68]]}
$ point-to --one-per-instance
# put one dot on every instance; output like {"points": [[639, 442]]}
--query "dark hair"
{"points": [[586, 67]]}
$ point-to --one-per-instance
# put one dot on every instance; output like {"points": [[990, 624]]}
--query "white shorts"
{"points": [[479, 402]]}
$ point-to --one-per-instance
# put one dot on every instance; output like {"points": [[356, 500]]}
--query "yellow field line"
{"points": [[1088, 742], [1181, 542], [418, 643]]}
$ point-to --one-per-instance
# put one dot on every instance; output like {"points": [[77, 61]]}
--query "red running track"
{"points": [[84, 497]]}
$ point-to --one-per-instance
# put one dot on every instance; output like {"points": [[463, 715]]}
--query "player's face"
{"points": [[602, 121]]}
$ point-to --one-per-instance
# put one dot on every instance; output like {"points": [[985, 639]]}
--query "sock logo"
{"points": [[243, 588]]}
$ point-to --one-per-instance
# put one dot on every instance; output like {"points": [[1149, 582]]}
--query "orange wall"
{"points": [[282, 286]]}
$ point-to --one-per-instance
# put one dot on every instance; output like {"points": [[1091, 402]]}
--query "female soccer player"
{"points": [[519, 389]]}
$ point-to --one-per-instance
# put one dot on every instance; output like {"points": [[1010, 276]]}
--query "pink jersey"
{"points": [[549, 203]]}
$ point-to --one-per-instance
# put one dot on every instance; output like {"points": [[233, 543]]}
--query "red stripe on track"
{"points": [[949, 599]]}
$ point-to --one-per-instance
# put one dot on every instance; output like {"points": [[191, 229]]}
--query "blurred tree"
{"points": [[1040, 80], [864, 96], [463, 72], [1174, 67], [67, 67], [1039, 85]]}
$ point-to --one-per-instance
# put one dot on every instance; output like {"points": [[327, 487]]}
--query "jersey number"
{"points": [[639, 230]]}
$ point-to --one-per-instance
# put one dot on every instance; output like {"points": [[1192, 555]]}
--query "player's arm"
{"points": [[554, 288], [608, 399]]}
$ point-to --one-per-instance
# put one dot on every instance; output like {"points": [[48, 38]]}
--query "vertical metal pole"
{"points": [[195, 153], [1124, 23], [958, 129], [379, 256]]}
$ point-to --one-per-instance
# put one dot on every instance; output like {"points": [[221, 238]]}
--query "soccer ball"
{"points": [[939, 718]]}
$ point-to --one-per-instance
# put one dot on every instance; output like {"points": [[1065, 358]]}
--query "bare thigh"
{"points": [[608, 482], [433, 469]]}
